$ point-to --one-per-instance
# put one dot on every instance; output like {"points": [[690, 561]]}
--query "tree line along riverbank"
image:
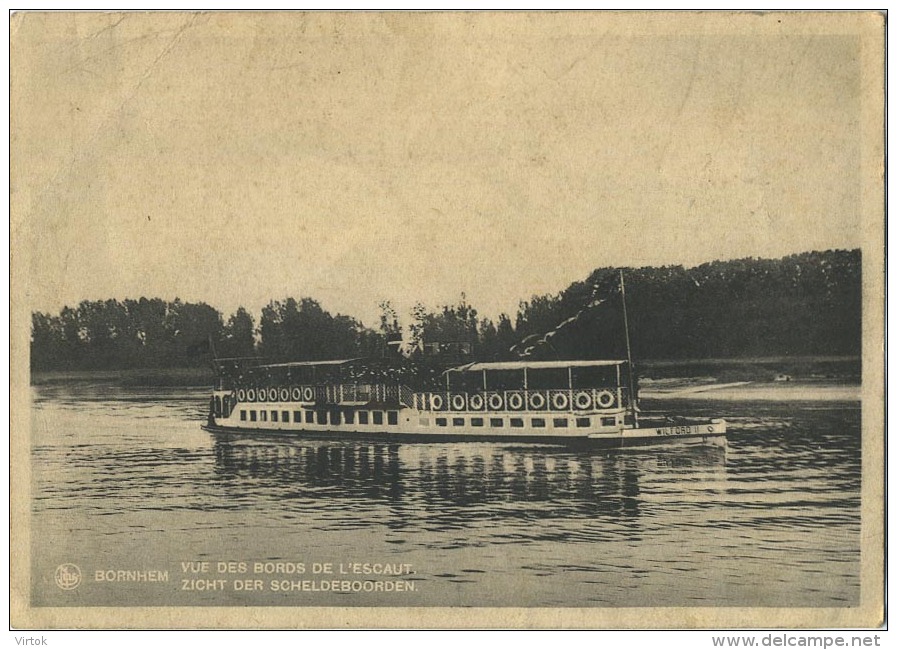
{"points": [[730, 317]]}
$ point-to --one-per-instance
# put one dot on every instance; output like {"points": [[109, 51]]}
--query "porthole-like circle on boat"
{"points": [[583, 400], [436, 402], [458, 402], [296, 394], [604, 399], [284, 394], [272, 394], [250, 394], [560, 401], [308, 394], [241, 395], [476, 402], [496, 403], [537, 401], [515, 401]]}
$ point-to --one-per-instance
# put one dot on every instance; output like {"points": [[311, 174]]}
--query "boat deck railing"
{"points": [[559, 399], [331, 394], [556, 399]]}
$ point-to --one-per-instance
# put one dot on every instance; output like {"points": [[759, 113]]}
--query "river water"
{"points": [[125, 485]]}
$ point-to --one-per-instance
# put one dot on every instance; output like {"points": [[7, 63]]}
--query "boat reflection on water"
{"points": [[467, 474]]}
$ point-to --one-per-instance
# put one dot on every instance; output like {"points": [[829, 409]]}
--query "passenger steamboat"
{"points": [[593, 403], [589, 403]]}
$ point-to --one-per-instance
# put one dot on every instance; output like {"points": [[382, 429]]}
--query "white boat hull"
{"points": [[605, 428]]}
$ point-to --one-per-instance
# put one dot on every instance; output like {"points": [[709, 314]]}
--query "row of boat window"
{"points": [[392, 418], [518, 423], [320, 417]]}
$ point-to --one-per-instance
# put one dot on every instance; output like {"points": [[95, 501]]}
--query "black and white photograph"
{"points": [[447, 319]]}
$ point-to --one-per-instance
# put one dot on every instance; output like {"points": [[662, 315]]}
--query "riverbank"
{"points": [[773, 379], [774, 391], [765, 379], [847, 369], [187, 377]]}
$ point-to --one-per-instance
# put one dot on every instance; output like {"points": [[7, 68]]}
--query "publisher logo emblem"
{"points": [[68, 576]]}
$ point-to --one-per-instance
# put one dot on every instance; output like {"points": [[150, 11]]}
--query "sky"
{"points": [[352, 158]]}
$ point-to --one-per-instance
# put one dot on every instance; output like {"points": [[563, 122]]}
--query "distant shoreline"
{"points": [[780, 360], [795, 391], [828, 379], [186, 377]]}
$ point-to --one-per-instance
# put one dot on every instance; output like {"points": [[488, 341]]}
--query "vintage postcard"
{"points": [[449, 319]]}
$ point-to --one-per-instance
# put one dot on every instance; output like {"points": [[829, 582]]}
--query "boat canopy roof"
{"points": [[307, 364], [533, 365]]}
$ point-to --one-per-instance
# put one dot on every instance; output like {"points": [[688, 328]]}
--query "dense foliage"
{"points": [[144, 333], [806, 304]]}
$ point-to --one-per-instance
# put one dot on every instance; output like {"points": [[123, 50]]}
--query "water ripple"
{"points": [[774, 520]]}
